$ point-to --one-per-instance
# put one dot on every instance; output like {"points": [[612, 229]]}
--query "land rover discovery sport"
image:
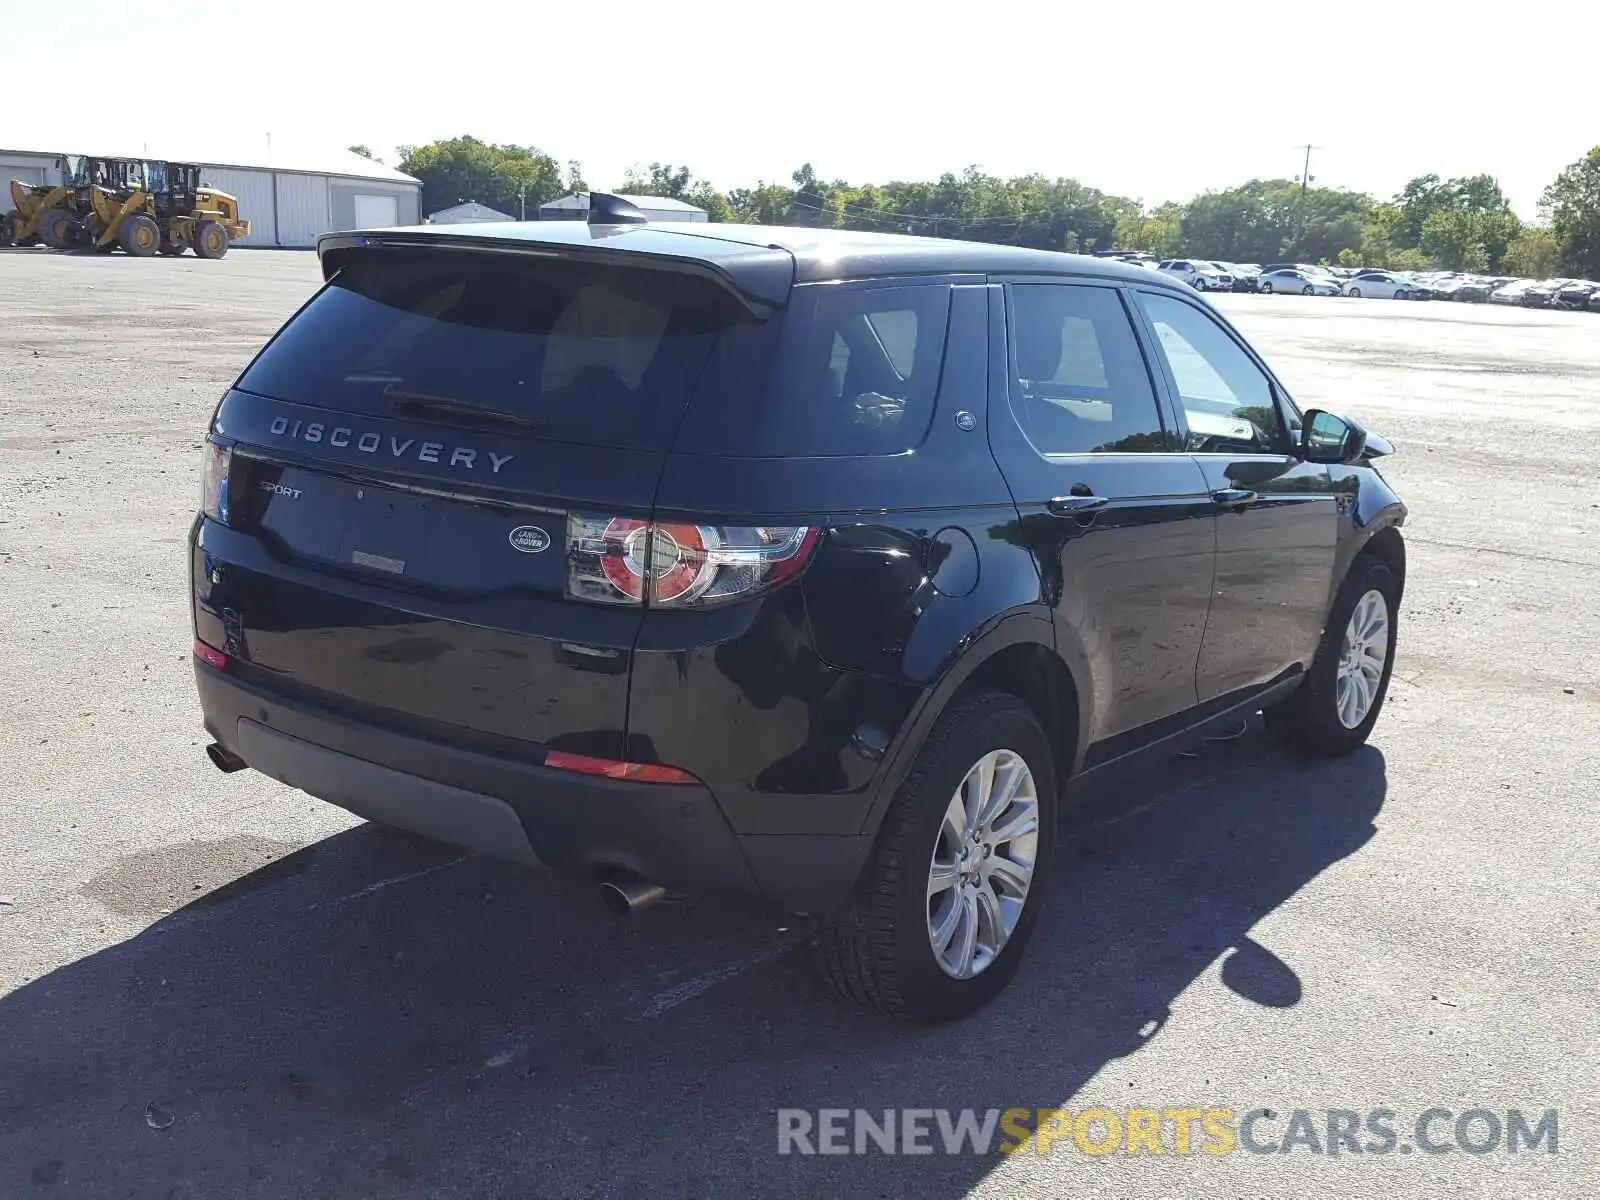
{"points": [[799, 564]]}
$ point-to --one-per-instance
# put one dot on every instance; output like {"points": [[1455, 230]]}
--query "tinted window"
{"points": [[854, 371], [582, 353], [1226, 398], [608, 355], [1080, 382]]}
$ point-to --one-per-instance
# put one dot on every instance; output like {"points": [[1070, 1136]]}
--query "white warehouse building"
{"points": [[289, 195]]}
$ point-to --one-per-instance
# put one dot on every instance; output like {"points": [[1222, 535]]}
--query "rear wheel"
{"points": [[58, 229], [210, 240], [1334, 710], [944, 908], [139, 235]]}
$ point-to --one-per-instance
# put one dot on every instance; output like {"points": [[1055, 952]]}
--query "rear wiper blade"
{"points": [[424, 403]]}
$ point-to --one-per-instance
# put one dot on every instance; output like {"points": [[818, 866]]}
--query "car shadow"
{"points": [[375, 1015]]}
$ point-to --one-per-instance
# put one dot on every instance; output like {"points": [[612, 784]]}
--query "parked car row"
{"points": [[1307, 279], [1573, 294]]}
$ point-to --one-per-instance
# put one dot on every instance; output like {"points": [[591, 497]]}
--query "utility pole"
{"points": [[522, 199], [1305, 174], [1305, 182]]}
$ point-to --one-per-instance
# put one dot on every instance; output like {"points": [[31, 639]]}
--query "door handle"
{"points": [[1233, 497], [1075, 506]]}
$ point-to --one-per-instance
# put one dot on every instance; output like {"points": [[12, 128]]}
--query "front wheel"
{"points": [[1267, 288], [1307, 290], [210, 240], [1354, 293], [139, 235], [944, 908], [1334, 710]]}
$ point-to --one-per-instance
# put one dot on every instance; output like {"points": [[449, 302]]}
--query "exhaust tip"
{"points": [[627, 893], [224, 760]]}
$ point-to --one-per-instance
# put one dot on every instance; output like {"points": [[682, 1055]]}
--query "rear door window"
{"points": [[1080, 384], [569, 351]]}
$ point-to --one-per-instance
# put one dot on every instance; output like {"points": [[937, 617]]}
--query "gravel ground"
{"points": [[213, 986]]}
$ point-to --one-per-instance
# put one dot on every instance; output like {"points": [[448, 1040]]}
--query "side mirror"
{"points": [[1327, 438]]}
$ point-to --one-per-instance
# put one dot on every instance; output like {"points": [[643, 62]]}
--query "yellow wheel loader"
{"points": [[161, 208], [40, 213]]}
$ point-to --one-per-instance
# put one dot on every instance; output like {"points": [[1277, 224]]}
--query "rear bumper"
{"points": [[675, 835]]}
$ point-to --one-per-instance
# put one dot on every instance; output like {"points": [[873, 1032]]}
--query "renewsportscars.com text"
{"points": [[1333, 1132]]}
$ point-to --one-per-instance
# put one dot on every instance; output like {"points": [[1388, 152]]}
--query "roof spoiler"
{"points": [[606, 209]]}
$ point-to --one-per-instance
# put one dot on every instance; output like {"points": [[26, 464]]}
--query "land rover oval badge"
{"points": [[530, 539]]}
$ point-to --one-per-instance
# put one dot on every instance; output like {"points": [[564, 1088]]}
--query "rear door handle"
{"points": [[1075, 506], [1233, 497]]}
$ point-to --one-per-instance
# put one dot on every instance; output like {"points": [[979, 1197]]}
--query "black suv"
{"points": [[796, 564]]}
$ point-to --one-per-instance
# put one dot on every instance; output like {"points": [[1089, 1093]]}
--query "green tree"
{"points": [[764, 204], [1158, 232], [364, 150], [1573, 205], [1464, 223], [1535, 254], [658, 179], [461, 169], [1451, 239]]}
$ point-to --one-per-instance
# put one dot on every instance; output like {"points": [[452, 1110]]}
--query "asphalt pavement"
{"points": [[215, 986]]}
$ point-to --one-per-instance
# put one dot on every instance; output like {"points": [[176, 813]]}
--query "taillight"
{"points": [[214, 481], [611, 768], [210, 655], [618, 560]]}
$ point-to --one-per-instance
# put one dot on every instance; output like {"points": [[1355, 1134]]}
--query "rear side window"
{"points": [[854, 371], [1080, 384], [576, 352]]}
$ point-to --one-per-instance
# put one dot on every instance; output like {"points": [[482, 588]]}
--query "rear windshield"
{"points": [[575, 352], [614, 356]]}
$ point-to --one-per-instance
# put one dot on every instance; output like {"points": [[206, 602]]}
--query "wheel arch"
{"points": [[1018, 656]]}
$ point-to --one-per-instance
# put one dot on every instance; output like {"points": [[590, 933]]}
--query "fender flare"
{"points": [[1390, 516], [1031, 626]]}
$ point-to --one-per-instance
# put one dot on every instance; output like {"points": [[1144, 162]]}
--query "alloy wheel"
{"points": [[1362, 657], [982, 864]]}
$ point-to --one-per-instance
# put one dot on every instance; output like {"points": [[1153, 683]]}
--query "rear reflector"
{"points": [[611, 768], [210, 655]]}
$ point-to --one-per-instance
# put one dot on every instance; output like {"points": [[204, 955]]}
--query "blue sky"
{"points": [[1155, 99]]}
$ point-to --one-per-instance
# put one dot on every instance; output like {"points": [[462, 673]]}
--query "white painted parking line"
{"points": [[387, 883], [664, 1002]]}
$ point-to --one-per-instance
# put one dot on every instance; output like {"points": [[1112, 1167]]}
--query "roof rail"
{"points": [[606, 209]]}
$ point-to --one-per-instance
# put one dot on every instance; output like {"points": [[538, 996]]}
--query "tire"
{"points": [[1402, 294], [1308, 290], [58, 229], [210, 240], [1266, 287], [879, 952], [1309, 721], [1199, 284], [139, 235], [1354, 293]]}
